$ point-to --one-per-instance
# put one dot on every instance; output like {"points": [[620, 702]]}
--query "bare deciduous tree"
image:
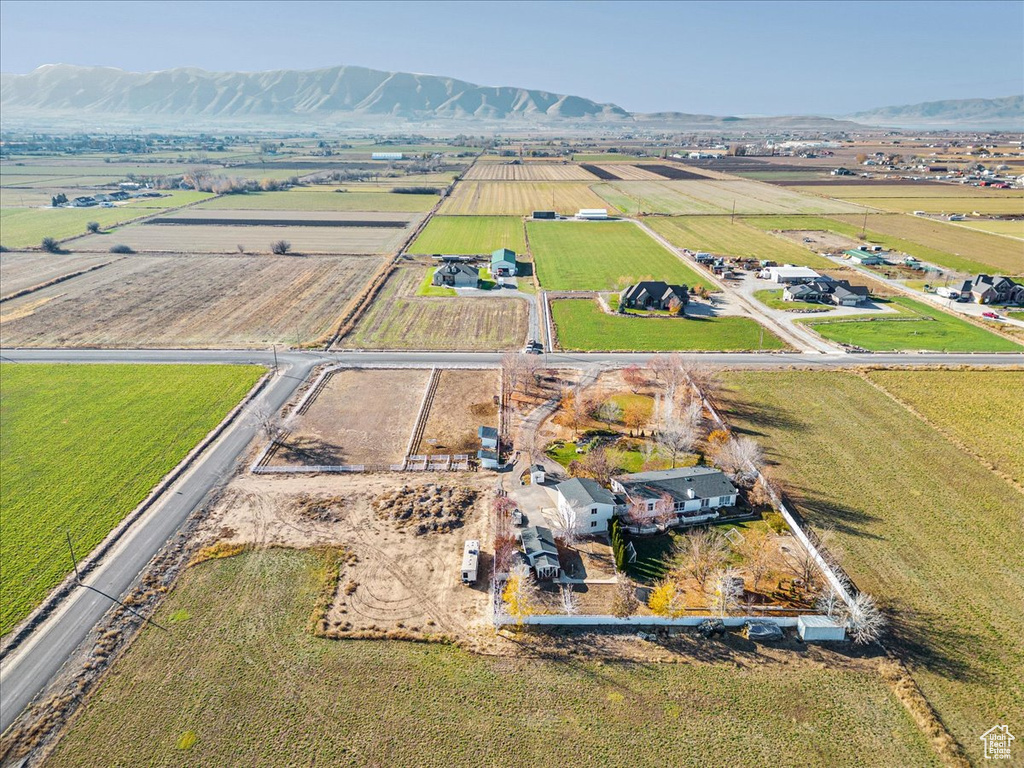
{"points": [[598, 466], [829, 602], [678, 429], [865, 621], [280, 247], [267, 422], [570, 600], [567, 524], [634, 377], [625, 601], [520, 593], [724, 590], [610, 412], [702, 552], [512, 367], [739, 457], [664, 513]]}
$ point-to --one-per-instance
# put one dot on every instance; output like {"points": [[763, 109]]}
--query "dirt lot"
{"points": [[463, 402], [532, 172], [19, 271], [820, 240], [399, 581], [190, 301], [361, 416], [200, 238]]}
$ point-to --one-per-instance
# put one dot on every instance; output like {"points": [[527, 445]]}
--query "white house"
{"points": [[695, 493], [592, 214], [590, 502], [789, 275]]}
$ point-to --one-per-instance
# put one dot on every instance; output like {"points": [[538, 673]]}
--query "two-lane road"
{"points": [[29, 667]]}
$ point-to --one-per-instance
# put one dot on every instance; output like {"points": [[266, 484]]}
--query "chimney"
{"points": [[689, 493]]}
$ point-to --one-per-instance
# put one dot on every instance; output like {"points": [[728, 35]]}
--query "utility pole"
{"points": [[732, 219], [864, 226], [74, 560]]}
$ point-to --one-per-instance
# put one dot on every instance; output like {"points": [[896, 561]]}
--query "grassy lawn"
{"points": [[724, 237], [427, 288], [927, 529], [26, 227], [467, 235], [773, 298], [323, 199], [920, 327], [582, 326], [81, 446], [601, 256], [242, 676], [400, 318], [979, 408]]}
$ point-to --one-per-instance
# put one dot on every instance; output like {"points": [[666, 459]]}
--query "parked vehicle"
{"points": [[990, 315]]}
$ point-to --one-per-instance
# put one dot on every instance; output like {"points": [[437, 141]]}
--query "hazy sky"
{"points": [[716, 58]]}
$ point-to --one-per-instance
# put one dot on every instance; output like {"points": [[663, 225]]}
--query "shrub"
{"points": [[4, 249], [416, 191], [280, 247], [50, 245], [775, 521], [93, 226], [121, 249], [618, 544]]}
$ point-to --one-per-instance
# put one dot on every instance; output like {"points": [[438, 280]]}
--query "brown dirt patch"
{"points": [[425, 508], [463, 402], [361, 416], [820, 240]]}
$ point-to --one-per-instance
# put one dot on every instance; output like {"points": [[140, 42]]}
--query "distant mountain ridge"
{"points": [[342, 89], [1006, 112]]}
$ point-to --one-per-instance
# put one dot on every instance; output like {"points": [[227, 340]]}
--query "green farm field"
{"points": [[209, 693], [980, 258], [947, 205], [300, 199], [978, 408], [720, 235], [928, 530], [920, 327], [398, 318], [600, 256], [1007, 228], [583, 327], [470, 235], [81, 446], [26, 227]]}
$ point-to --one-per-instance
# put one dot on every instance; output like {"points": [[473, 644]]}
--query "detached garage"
{"points": [[817, 629]]}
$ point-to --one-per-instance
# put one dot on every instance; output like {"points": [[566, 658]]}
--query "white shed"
{"points": [[470, 559], [815, 629], [592, 214], [537, 474]]}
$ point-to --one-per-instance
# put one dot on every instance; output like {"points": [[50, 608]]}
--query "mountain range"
{"points": [[355, 93]]}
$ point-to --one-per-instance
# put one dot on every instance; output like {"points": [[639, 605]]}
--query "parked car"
{"points": [[534, 348], [990, 315]]}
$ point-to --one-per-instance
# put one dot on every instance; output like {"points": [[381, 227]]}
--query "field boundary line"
{"points": [[420, 424], [55, 281], [956, 442], [57, 595]]}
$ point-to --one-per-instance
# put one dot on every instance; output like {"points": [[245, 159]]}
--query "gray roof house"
{"points": [[503, 263], [653, 294], [455, 274], [987, 289], [540, 550], [586, 502], [697, 494]]}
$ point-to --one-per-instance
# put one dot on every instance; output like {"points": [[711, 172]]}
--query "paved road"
{"points": [[27, 669]]}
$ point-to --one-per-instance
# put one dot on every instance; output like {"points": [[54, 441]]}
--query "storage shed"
{"points": [[815, 629], [537, 474], [470, 560]]}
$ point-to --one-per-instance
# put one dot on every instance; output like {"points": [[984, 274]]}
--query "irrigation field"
{"points": [[582, 326], [932, 198], [82, 445], [600, 256], [714, 197], [978, 259], [998, 252], [231, 231], [527, 172], [477, 198], [190, 301], [723, 236], [470, 235], [26, 227], [1006, 228], [19, 271], [925, 528], [323, 199], [377, 703]]}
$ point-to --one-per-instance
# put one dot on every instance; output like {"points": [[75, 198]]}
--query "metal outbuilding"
{"points": [[816, 629]]}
